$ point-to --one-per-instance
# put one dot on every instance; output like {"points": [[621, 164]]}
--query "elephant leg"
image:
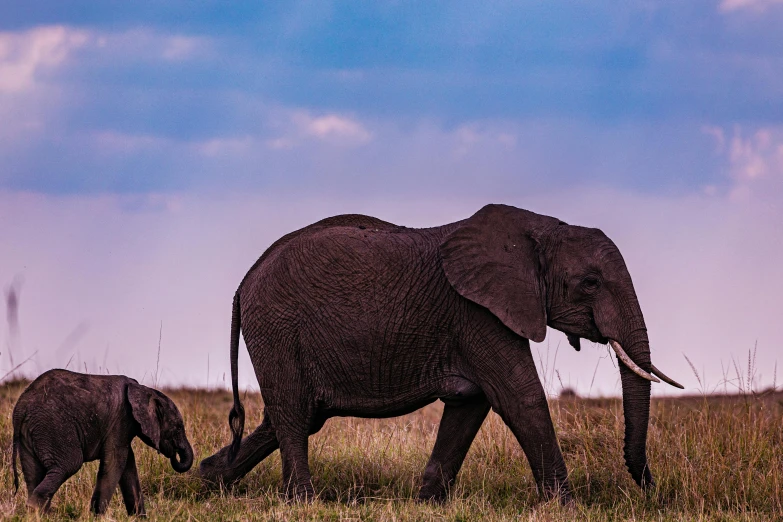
{"points": [[296, 469], [131, 488], [458, 427], [110, 470], [253, 449], [293, 416], [508, 377], [41, 496], [32, 469]]}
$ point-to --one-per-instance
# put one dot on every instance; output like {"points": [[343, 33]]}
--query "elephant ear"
{"points": [[144, 405], [491, 258]]}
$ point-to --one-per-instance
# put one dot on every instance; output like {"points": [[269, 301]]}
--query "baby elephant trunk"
{"points": [[185, 455]]}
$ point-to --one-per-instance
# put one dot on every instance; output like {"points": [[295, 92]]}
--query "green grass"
{"points": [[714, 458]]}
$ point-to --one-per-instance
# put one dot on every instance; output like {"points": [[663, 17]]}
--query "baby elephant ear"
{"points": [[491, 259], [144, 406]]}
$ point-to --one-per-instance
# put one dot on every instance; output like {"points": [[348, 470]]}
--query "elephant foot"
{"points": [[646, 480], [300, 493], [216, 473], [560, 492], [42, 505], [566, 499], [432, 496], [212, 484], [437, 499]]}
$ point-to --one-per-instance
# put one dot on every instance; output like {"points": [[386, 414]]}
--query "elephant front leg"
{"points": [[458, 427], [532, 425], [110, 470], [508, 377], [131, 488]]}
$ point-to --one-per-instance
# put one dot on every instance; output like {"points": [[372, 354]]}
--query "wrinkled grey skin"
{"points": [[64, 419], [354, 316]]}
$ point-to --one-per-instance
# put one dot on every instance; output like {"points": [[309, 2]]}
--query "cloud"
{"points": [[333, 128], [288, 147], [727, 6], [286, 128], [289, 128], [226, 146], [484, 135], [750, 157], [32, 63], [26, 54], [148, 45], [718, 134], [59, 97], [181, 47], [754, 161]]}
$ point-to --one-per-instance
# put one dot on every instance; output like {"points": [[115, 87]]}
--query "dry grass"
{"points": [[715, 458]]}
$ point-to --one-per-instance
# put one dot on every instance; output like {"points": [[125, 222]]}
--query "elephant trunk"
{"points": [[620, 320], [636, 409], [185, 454]]}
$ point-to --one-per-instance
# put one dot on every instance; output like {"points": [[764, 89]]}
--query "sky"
{"points": [[151, 151]]}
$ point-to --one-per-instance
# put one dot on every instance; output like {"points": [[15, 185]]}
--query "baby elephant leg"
{"points": [[130, 487], [110, 470], [41, 497], [32, 469]]}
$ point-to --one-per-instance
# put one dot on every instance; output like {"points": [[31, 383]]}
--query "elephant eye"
{"points": [[591, 283]]}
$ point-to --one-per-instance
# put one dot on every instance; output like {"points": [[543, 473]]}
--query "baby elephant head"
{"points": [[161, 425]]}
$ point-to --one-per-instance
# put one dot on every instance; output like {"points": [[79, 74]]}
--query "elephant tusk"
{"points": [[629, 363], [666, 379]]}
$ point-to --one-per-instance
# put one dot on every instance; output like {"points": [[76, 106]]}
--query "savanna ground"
{"points": [[714, 458]]}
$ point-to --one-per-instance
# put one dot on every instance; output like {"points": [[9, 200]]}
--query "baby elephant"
{"points": [[64, 419]]}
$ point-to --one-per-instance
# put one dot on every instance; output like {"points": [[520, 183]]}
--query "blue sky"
{"points": [[156, 77], [153, 128]]}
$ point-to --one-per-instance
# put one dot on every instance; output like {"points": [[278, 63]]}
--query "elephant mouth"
{"points": [[618, 349], [595, 337]]}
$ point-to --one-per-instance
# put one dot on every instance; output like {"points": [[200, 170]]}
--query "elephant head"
{"points": [[534, 271], [161, 425]]}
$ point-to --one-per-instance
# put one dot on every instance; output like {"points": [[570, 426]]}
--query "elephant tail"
{"points": [[236, 419], [13, 461]]}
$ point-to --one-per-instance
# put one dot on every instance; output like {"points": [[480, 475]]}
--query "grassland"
{"points": [[714, 458]]}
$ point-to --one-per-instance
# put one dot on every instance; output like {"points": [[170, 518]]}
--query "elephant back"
{"points": [[342, 220]]}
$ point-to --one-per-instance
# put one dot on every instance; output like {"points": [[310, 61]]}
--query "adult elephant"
{"points": [[354, 316]]}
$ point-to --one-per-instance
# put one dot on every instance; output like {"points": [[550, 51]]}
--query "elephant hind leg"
{"points": [[290, 407], [216, 470], [32, 469], [41, 496], [292, 434], [293, 422], [259, 445]]}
